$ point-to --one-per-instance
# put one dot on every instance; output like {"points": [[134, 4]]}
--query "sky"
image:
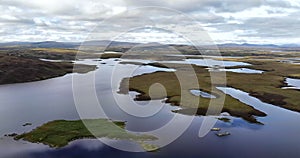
{"points": [[168, 21]]}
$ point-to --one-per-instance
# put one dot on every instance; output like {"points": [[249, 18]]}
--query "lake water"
{"points": [[52, 99], [292, 83], [238, 70], [207, 62], [202, 94], [291, 60]]}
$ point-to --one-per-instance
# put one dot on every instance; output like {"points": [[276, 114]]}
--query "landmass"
{"points": [[23, 67], [170, 82], [18, 69], [265, 86], [60, 133], [268, 86]]}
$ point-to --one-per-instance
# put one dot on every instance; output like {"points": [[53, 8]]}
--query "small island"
{"points": [[60, 133]]}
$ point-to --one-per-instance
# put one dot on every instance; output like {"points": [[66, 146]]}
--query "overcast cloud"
{"points": [[225, 21]]}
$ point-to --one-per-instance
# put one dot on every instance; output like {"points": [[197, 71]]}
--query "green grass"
{"points": [[60, 132]]}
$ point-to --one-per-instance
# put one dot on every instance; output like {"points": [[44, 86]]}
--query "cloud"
{"points": [[255, 21], [196, 5]]}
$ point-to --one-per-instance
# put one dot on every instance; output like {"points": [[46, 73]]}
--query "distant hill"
{"points": [[249, 45], [7, 44], [45, 44], [259, 45], [108, 43], [54, 44]]}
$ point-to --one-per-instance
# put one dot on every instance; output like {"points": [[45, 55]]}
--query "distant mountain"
{"points": [[290, 45], [14, 44], [103, 43], [259, 45], [249, 45], [45, 44], [54, 44], [108, 43]]}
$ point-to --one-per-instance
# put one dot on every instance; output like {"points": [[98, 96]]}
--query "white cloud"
{"points": [[259, 12], [253, 21]]}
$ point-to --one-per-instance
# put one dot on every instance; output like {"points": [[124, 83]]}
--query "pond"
{"points": [[212, 62], [291, 61], [207, 62], [238, 70], [292, 83]]}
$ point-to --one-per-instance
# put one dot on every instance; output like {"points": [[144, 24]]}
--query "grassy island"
{"points": [[59, 133]]}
